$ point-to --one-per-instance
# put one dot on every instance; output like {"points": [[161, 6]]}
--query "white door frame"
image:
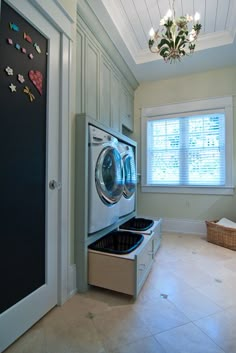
{"points": [[58, 18]]}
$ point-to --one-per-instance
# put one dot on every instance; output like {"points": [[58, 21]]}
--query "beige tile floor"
{"points": [[198, 315]]}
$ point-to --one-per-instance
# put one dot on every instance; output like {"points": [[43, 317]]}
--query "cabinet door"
{"points": [[105, 92], [115, 102], [129, 122], [123, 105], [80, 50], [126, 115], [91, 80]]}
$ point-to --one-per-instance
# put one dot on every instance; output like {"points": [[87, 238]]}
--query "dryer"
{"points": [[106, 179], [127, 201]]}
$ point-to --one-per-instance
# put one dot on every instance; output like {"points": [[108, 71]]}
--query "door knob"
{"points": [[53, 184]]}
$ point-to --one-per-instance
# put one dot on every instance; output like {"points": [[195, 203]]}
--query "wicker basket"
{"points": [[220, 235]]}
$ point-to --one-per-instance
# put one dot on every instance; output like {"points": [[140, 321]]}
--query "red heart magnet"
{"points": [[37, 79]]}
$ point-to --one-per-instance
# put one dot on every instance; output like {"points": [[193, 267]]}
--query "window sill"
{"points": [[189, 190]]}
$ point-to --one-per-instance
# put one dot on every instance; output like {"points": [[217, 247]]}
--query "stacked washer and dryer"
{"points": [[121, 259], [112, 179]]}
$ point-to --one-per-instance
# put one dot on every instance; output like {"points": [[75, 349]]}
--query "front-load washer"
{"points": [[106, 179], [127, 201]]}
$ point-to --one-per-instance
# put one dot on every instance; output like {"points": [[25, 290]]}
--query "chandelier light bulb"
{"points": [[197, 16], [168, 14], [152, 33]]}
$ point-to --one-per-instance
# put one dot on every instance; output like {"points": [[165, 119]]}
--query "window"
{"points": [[186, 150]]}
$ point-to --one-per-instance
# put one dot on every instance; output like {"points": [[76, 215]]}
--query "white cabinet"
{"points": [[80, 49], [102, 92], [109, 95], [91, 79], [105, 92], [115, 101]]}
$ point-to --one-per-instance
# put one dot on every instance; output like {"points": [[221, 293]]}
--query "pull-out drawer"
{"points": [[121, 273]]}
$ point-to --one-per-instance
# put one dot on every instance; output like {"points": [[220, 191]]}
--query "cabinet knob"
{"points": [[142, 267]]}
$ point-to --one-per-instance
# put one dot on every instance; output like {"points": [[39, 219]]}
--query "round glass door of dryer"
{"points": [[129, 175], [109, 176]]}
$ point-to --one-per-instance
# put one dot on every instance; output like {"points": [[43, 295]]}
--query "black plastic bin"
{"points": [[138, 224], [118, 242]]}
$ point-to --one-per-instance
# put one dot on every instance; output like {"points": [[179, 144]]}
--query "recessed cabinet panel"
{"points": [[80, 71], [105, 93], [92, 80], [115, 102], [123, 105]]}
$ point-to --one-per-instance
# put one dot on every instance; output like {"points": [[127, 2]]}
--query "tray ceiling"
{"points": [[128, 23]]}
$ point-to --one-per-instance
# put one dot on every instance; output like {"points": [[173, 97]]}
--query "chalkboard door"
{"points": [[29, 155]]}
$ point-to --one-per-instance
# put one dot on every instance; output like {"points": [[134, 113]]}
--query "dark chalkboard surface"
{"points": [[23, 56]]}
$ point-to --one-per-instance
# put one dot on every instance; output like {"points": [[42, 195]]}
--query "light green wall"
{"points": [[217, 83]]}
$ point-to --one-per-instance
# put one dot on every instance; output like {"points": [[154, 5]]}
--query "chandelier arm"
{"points": [[155, 51]]}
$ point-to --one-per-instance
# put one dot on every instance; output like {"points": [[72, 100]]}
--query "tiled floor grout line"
{"points": [[209, 337]]}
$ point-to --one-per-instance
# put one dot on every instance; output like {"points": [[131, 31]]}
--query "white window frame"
{"points": [[189, 109]]}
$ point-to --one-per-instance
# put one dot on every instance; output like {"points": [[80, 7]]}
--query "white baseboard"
{"points": [[188, 226], [72, 289]]}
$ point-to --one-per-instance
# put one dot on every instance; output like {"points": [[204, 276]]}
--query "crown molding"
{"points": [[85, 11]]}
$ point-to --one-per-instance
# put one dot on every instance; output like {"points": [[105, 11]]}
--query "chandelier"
{"points": [[175, 38]]}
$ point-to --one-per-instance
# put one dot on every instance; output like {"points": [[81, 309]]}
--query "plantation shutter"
{"points": [[186, 151]]}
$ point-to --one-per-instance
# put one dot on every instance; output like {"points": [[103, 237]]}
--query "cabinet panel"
{"points": [[105, 93], [129, 121], [126, 112], [80, 71], [92, 80], [115, 102], [123, 105]]}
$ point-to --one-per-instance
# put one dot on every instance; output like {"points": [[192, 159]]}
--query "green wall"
{"points": [[217, 83]]}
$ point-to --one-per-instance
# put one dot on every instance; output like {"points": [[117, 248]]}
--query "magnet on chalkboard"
{"points": [[17, 46], [37, 48], [14, 27], [31, 56], [9, 41], [27, 37], [12, 87], [36, 78], [29, 93], [9, 70], [20, 78]]}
